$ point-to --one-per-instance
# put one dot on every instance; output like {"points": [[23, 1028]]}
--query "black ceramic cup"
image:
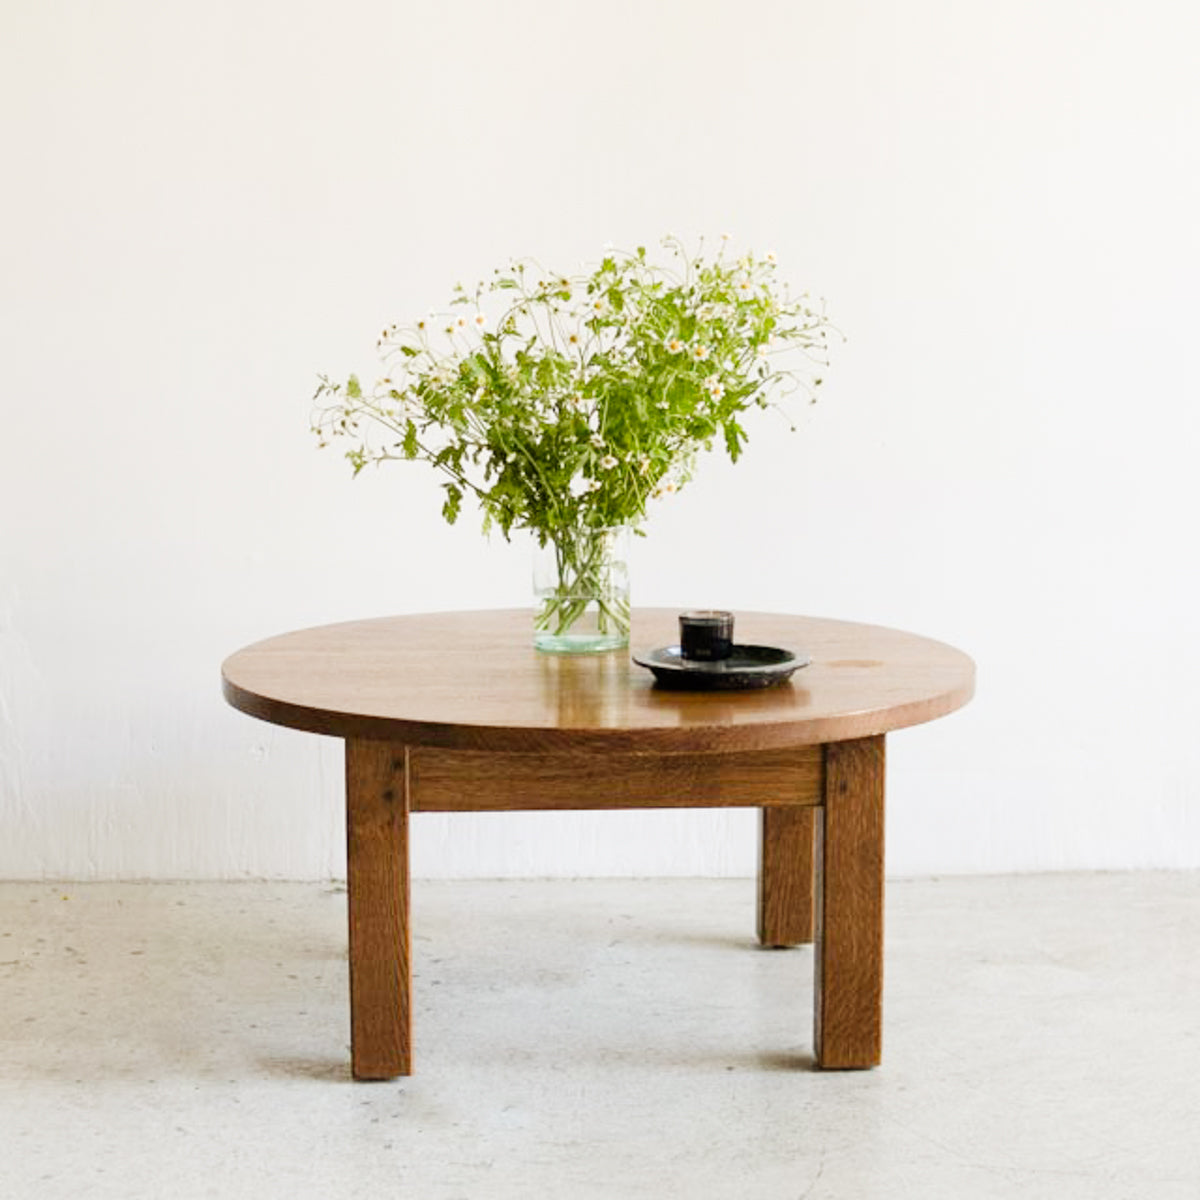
{"points": [[705, 635]]}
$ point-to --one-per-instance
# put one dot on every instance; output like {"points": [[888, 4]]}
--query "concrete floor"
{"points": [[600, 1039]]}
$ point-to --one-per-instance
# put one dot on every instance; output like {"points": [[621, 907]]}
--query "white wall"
{"points": [[205, 204]]}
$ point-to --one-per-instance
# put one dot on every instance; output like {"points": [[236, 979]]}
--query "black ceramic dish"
{"points": [[746, 667]]}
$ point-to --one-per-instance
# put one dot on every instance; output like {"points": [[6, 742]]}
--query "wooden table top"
{"points": [[474, 681]]}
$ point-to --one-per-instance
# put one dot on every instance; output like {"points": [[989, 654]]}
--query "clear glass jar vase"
{"points": [[581, 591]]}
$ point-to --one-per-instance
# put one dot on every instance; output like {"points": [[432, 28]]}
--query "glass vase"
{"points": [[581, 591]]}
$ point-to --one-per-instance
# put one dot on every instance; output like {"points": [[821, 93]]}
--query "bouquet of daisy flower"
{"points": [[562, 404]]}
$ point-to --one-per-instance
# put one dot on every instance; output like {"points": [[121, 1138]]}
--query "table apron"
{"points": [[474, 780]]}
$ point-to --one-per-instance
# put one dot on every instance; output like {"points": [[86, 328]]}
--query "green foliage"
{"points": [[453, 502], [588, 395]]}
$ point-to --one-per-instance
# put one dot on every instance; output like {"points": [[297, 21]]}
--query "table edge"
{"points": [[717, 739]]}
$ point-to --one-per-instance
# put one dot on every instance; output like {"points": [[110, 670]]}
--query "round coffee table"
{"points": [[456, 712]]}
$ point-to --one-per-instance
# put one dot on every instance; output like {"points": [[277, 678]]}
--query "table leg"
{"points": [[377, 804], [848, 1010], [785, 876]]}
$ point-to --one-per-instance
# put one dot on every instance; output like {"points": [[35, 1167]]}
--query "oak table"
{"points": [[457, 712]]}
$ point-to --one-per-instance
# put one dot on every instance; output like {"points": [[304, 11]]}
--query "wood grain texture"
{"points": [[472, 781], [378, 903], [473, 681], [848, 1010], [786, 869]]}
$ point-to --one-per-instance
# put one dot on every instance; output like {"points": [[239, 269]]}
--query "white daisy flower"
{"points": [[480, 320], [714, 387], [575, 402], [699, 352], [674, 345], [608, 462], [644, 464], [597, 441], [770, 257]]}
